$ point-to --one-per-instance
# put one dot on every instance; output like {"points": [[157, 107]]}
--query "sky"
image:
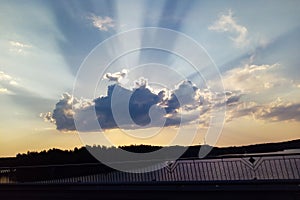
{"points": [[56, 92]]}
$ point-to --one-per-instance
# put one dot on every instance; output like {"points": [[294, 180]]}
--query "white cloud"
{"points": [[252, 78], [18, 47], [4, 76], [8, 82], [296, 84], [18, 44], [226, 23], [102, 23], [117, 77], [5, 91], [13, 82], [7, 79]]}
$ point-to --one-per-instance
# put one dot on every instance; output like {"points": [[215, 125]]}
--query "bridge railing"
{"points": [[279, 167], [227, 168]]}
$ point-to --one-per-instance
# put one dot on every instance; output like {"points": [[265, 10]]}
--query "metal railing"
{"points": [[274, 167]]}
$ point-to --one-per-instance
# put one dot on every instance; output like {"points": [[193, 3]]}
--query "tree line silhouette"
{"points": [[82, 155]]}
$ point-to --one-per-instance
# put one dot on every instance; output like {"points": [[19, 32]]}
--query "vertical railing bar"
{"points": [[296, 166], [219, 170], [291, 169]]}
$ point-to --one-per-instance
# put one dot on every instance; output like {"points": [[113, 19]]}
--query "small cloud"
{"points": [[227, 23], [18, 44], [9, 84], [5, 77], [47, 117], [102, 23], [5, 91], [8, 79], [63, 114], [296, 84], [242, 109], [116, 77], [186, 95], [233, 99], [18, 47], [141, 82], [14, 83]]}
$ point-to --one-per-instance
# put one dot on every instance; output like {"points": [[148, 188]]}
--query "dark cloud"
{"points": [[140, 107], [289, 112], [185, 95], [63, 113], [233, 99], [273, 112], [227, 98], [140, 100], [140, 103]]}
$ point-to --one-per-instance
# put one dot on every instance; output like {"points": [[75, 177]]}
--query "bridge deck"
{"points": [[288, 190]]}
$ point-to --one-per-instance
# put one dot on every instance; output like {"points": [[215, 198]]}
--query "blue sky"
{"points": [[254, 44]]}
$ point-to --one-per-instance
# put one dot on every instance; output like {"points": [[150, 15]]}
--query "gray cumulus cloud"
{"points": [[145, 108], [185, 96]]}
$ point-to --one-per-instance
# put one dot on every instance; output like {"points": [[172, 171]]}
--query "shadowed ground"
{"points": [[254, 190]]}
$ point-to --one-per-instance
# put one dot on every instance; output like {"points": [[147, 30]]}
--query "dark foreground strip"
{"points": [[254, 190]]}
